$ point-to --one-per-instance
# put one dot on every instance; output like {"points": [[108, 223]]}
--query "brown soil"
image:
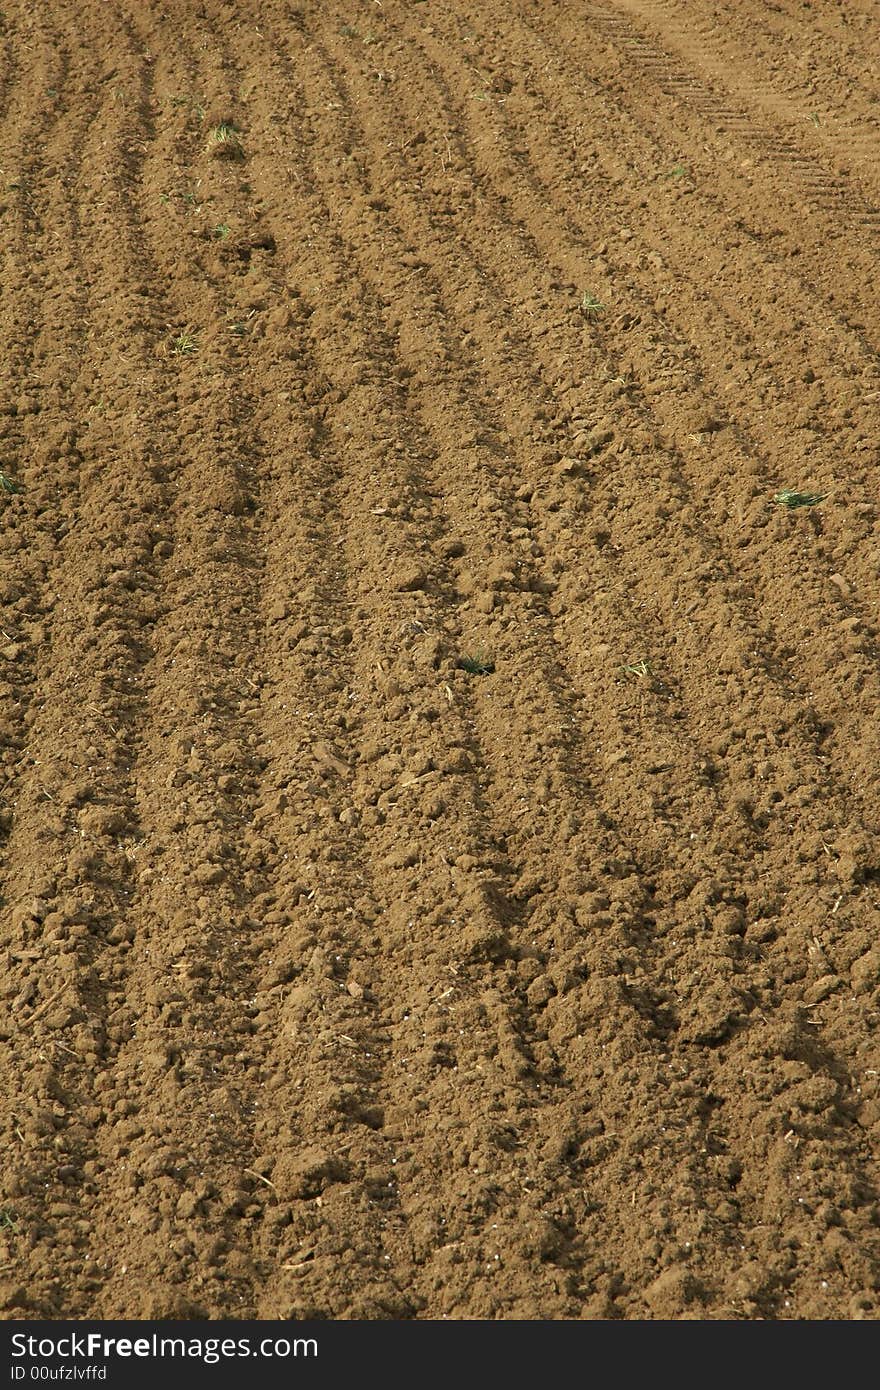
{"points": [[340, 981]]}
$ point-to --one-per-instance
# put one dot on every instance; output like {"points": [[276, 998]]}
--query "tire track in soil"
{"points": [[815, 237], [781, 91], [828, 190], [864, 613], [613, 366], [682, 348], [861, 427], [811, 291], [752, 288]]}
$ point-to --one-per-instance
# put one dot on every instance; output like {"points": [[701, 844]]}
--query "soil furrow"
{"points": [[117, 918], [484, 908], [184, 1021], [71, 757], [773, 270], [736, 539], [440, 793]]}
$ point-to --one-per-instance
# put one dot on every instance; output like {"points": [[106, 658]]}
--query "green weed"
{"points": [[188, 196], [642, 669], [221, 231], [8, 484], [238, 327], [224, 140], [192, 103], [591, 307], [788, 497], [185, 343], [477, 665]]}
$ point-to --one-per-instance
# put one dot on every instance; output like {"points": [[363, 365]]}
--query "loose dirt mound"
{"points": [[345, 343]]}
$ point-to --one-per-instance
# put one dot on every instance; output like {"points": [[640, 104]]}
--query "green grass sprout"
{"points": [[790, 498], [642, 669], [185, 343], [224, 140], [591, 306], [477, 665]]}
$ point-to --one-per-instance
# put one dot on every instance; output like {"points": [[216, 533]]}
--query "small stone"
{"points": [[671, 1291], [457, 761], [732, 921], [410, 580], [842, 584], [187, 1205], [307, 1173], [865, 972], [102, 820], [207, 874], [821, 989], [539, 992]]}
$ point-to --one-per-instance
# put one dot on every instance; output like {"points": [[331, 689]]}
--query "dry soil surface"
{"points": [[341, 981]]}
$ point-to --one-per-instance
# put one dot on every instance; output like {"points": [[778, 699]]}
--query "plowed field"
{"points": [[440, 779]]}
